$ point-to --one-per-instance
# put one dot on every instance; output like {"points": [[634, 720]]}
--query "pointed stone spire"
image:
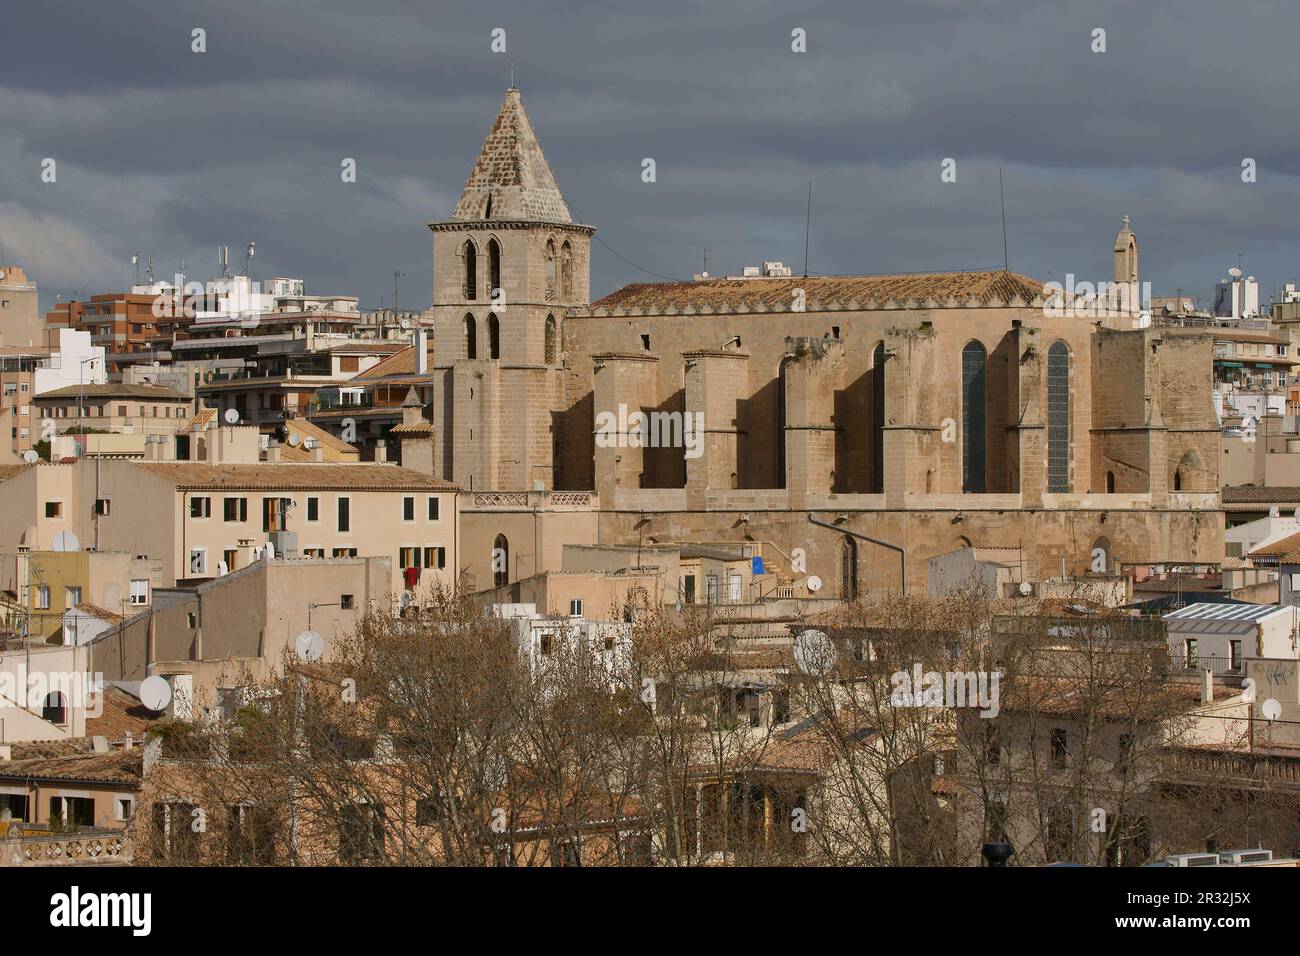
{"points": [[510, 178]]}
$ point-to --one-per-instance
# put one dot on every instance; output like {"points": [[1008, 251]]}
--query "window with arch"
{"points": [[1110, 482], [470, 256], [1099, 558], [550, 269], [500, 561], [471, 337], [494, 337], [849, 569], [494, 266], [55, 708], [1058, 417], [878, 419], [549, 340], [1185, 475], [566, 271], [974, 360]]}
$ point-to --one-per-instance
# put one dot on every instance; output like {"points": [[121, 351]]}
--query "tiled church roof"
{"points": [[775, 294], [511, 179]]}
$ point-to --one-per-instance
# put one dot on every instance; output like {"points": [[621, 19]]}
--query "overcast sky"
{"points": [[170, 153]]}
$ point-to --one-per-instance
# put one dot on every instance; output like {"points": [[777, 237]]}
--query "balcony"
{"points": [[87, 847]]}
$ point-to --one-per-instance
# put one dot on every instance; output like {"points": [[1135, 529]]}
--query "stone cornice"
{"points": [[491, 225]]}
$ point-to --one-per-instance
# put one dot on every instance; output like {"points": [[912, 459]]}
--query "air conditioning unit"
{"points": [[285, 543], [1193, 859], [1239, 857]]}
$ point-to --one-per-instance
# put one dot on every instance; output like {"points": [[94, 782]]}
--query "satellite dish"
{"points": [[814, 584], [1235, 272], [2, 275], [814, 654], [155, 693], [231, 416], [294, 440], [310, 646], [1271, 709], [31, 457], [66, 541], [405, 323], [1026, 589]]}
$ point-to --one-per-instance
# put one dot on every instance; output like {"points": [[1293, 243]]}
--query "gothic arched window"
{"points": [[500, 561], [549, 356], [849, 569], [494, 337], [1058, 418], [973, 471], [566, 271], [878, 419], [471, 337], [494, 267], [470, 255], [550, 269]]}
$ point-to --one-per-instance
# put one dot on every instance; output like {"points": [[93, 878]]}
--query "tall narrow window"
{"points": [[494, 266], [550, 340], [973, 361], [494, 337], [500, 562], [550, 269], [566, 272], [470, 255], [849, 569], [471, 337], [878, 419], [1058, 418]]}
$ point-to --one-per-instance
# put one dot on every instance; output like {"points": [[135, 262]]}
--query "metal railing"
{"points": [[1198, 663]]}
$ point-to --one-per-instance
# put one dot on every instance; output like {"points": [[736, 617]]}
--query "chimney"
{"points": [[150, 448], [421, 352], [273, 452], [6, 752], [214, 443], [381, 452], [1207, 686], [317, 453]]}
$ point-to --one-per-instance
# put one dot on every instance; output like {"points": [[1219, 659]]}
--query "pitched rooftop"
{"points": [[510, 178], [293, 476], [776, 294]]}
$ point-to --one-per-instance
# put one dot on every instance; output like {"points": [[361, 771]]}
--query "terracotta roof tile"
{"points": [[775, 294], [295, 476], [114, 391]]}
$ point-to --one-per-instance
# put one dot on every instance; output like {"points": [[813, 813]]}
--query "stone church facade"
{"points": [[856, 418]]}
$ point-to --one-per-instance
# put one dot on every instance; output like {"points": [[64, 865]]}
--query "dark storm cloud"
{"points": [[171, 153]]}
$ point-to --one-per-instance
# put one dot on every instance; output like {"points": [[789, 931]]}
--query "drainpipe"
{"points": [[902, 554]]}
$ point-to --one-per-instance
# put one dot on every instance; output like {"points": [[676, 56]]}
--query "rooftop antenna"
{"points": [[249, 252], [149, 270], [706, 260], [135, 261], [512, 74], [396, 275], [1006, 261], [807, 230]]}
